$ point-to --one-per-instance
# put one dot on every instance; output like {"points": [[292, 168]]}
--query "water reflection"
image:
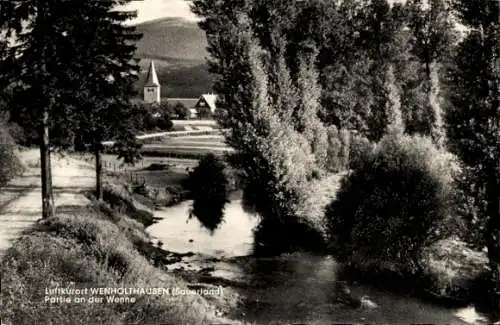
{"points": [[233, 237], [208, 185], [209, 214]]}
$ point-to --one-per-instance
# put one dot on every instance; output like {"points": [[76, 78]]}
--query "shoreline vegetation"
{"points": [[453, 274]]}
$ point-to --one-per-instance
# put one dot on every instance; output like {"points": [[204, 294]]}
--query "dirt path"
{"points": [[20, 200]]}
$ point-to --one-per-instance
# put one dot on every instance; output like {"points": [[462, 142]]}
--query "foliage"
{"points": [[473, 122], [150, 119], [393, 104], [106, 73], [277, 161], [360, 148], [76, 70], [393, 205], [432, 31], [433, 35], [209, 186], [307, 120], [339, 147], [10, 165], [181, 111]]}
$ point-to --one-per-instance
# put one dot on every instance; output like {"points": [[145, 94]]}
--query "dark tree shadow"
{"points": [[208, 187], [209, 214]]}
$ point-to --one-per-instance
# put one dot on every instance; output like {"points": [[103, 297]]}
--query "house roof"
{"points": [[187, 102], [211, 100], [152, 78]]}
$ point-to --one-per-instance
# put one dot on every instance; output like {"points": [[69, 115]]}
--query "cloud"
{"points": [[154, 9]]}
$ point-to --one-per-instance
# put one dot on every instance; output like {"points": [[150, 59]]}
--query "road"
{"points": [[20, 200]]}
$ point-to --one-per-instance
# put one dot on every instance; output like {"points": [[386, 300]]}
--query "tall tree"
{"points": [[37, 63], [393, 104], [433, 35], [382, 40], [73, 60], [309, 106], [276, 161], [474, 119], [103, 65]]}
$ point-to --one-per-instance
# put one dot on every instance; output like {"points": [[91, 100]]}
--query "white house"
{"points": [[207, 102]]}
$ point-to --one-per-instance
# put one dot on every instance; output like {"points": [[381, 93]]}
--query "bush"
{"points": [[359, 148], [339, 146], [209, 186], [394, 203], [10, 165], [181, 111], [125, 203]]}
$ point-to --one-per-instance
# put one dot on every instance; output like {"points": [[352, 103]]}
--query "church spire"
{"points": [[152, 86], [152, 78]]}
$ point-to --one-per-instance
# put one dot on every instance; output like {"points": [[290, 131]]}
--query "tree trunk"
{"points": [[46, 174], [98, 173]]}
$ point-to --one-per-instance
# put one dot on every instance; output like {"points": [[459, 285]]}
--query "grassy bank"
{"points": [[155, 188], [451, 274], [93, 247]]}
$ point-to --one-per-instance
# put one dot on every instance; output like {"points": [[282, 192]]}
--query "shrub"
{"points": [[10, 165], [208, 185], [470, 210], [394, 203], [359, 148], [122, 201], [334, 149], [181, 111], [339, 143]]}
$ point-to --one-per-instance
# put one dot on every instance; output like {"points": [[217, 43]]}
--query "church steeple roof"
{"points": [[152, 78]]}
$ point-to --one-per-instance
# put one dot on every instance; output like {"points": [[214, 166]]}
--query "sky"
{"points": [[154, 9]]}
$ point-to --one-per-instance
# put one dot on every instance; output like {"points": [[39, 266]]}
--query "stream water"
{"points": [[293, 288]]}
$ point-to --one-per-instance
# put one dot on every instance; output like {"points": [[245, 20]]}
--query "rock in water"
{"points": [[471, 316], [367, 303]]}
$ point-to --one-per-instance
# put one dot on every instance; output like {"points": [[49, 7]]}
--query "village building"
{"points": [[202, 107], [152, 86]]}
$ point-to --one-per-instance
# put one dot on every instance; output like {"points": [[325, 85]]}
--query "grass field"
{"points": [[187, 147], [162, 178], [189, 125], [212, 139], [193, 143]]}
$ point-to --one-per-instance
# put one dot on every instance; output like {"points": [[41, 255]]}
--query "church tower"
{"points": [[152, 86]]}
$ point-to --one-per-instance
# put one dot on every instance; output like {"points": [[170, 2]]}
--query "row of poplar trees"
{"points": [[370, 57], [67, 72]]}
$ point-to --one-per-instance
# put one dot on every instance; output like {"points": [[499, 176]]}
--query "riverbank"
{"points": [[452, 275], [90, 247], [94, 247]]}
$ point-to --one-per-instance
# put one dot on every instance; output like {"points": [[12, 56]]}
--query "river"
{"points": [[293, 288]]}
